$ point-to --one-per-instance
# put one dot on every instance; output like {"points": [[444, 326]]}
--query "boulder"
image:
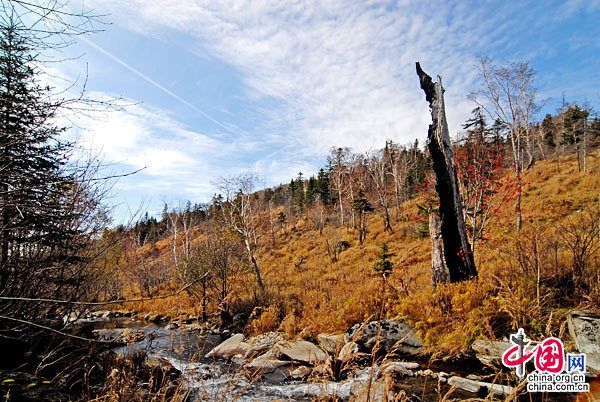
{"points": [[261, 343], [394, 336], [266, 363], [350, 351], [489, 352], [301, 351], [229, 348], [331, 343], [584, 328]]}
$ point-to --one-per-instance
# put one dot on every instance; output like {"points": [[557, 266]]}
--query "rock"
{"points": [[113, 335], [154, 318], [261, 343], [584, 328], [132, 336], [350, 351], [395, 336], [479, 386], [331, 343], [190, 319], [426, 373], [465, 384], [266, 363], [325, 369], [301, 351], [300, 373], [171, 326], [229, 348], [377, 391], [490, 352], [238, 359], [395, 370]]}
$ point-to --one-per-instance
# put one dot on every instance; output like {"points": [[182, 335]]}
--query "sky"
{"points": [[216, 88]]}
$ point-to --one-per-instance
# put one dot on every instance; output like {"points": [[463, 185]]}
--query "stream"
{"points": [[216, 380]]}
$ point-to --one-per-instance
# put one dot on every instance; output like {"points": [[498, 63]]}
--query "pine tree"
{"points": [[383, 265], [44, 204], [362, 206], [548, 132], [323, 189]]}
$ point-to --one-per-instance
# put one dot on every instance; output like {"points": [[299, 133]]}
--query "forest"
{"points": [[467, 237]]}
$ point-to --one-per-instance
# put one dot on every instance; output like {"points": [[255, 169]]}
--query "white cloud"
{"points": [[341, 72], [317, 74]]}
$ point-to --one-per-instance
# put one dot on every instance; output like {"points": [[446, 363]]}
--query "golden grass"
{"points": [[322, 295]]}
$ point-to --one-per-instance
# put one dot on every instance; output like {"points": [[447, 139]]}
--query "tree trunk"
{"points": [[254, 265], [451, 252]]}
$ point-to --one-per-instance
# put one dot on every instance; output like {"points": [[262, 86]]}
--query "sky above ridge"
{"points": [[219, 87]]}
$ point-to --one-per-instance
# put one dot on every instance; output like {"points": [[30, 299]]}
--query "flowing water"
{"points": [[215, 380]]}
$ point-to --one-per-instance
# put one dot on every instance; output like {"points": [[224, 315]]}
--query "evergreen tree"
{"points": [[322, 185], [45, 207], [362, 206], [574, 121], [383, 265], [548, 131]]}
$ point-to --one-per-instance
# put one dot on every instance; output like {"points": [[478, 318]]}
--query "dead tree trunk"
{"points": [[452, 257]]}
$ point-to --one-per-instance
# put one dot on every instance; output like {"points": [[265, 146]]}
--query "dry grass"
{"points": [[318, 294]]}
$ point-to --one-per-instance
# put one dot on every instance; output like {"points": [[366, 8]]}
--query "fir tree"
{"points": [[362, 206], [383, 265]]}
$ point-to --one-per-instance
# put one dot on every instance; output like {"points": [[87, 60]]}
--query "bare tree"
{"points": [[239, 214], [508, 94], [338, 164], [379, 171]]}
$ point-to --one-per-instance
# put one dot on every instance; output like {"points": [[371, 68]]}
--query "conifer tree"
{"points": [[362, 206], [383, 265], [45, 207]]}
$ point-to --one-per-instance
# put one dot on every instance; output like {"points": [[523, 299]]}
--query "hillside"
{"points": [[311, 292]]}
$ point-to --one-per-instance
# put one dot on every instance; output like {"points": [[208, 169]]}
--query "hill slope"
{"points": [[526, 279]]}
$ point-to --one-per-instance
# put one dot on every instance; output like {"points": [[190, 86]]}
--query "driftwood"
{"points": [[451, 254]]}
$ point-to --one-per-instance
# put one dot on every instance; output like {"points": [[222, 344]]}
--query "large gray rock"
{"points": [[301, 351], [584, 328], [394, 336], [490, 352], [266, 363], [261, 343], [331, 343], [229, 348]]}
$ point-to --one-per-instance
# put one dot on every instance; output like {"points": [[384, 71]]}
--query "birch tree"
{"points": [[240, 215], [508, 94]]}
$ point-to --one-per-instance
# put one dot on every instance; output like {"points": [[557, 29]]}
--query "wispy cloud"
{"points": [[156, 84], [320, 74]]}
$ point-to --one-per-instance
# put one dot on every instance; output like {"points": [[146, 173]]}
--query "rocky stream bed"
{"points": [[222, 366]]}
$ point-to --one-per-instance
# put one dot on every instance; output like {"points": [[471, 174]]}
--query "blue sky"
{"points": [[218, 87]]}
